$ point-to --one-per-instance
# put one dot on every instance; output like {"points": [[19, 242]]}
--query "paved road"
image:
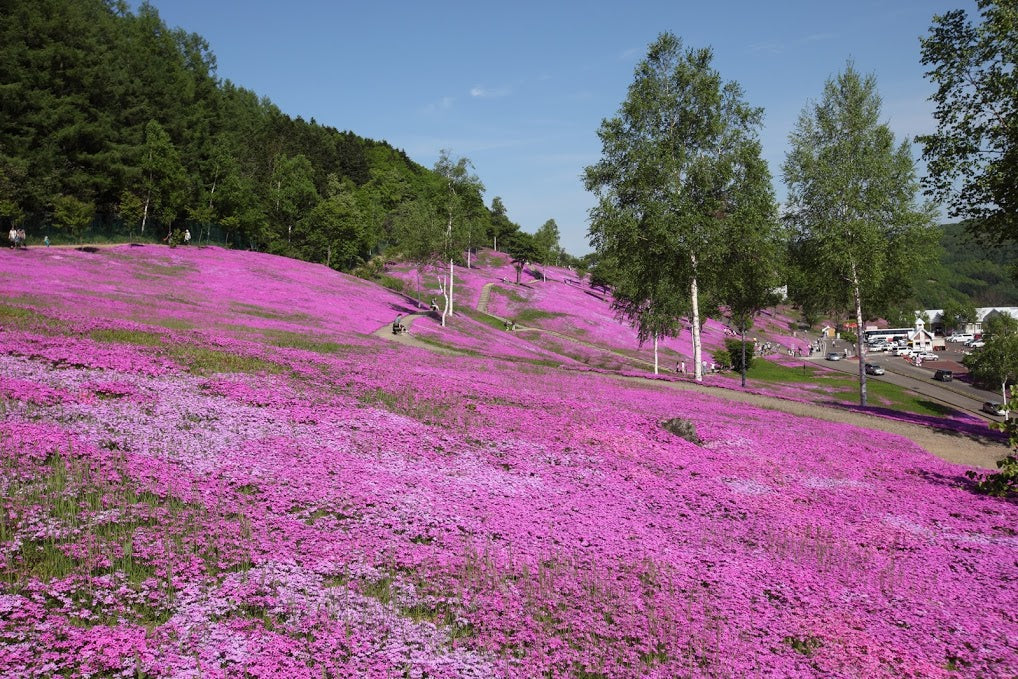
{"points": [[956, 394]]}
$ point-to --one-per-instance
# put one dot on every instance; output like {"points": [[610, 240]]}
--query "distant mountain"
{"points": [[970, 271]]}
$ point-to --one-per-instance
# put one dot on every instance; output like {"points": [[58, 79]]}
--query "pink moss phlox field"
{"points": [[236, 478]]}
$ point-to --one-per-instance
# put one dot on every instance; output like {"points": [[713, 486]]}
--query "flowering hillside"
{"points": [[565, 316], [210, 466]]}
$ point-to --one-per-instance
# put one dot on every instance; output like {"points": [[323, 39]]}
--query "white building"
{"points": [[921, 339], [936, 317]]}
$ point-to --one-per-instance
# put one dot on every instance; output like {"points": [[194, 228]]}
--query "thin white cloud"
{"points": [[819, 37], [630, 54], [443, 104], [489, 92], [779, 47], [767, 47]]}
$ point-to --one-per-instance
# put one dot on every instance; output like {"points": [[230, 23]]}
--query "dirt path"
{"points": [[959, 447], [407, 338]]}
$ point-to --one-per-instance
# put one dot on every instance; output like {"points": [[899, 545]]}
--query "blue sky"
{"points": [[520, 88]]}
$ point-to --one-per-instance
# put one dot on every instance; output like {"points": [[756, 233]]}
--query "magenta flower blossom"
{"points": [[211, 466]]}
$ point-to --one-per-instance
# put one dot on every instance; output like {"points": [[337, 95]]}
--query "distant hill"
{"points": [[970, 270]]}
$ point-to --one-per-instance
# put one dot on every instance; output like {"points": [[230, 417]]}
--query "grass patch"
{"points": [[22, 318], [894, 397], [293, 340], [768, 371], [170, 323], [486, 319], [262, 312], [204, 362], [123, 336], [512, 295], [529, 315]]}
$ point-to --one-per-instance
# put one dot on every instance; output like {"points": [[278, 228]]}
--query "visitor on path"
{"points": [[46, 241], [187, 236], [13, 236]]}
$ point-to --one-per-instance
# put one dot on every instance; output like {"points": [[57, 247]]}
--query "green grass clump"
{"points": [[262, 312], [768, 371], [124, 336], [293, 340], [486, 319], [530, 315], [204, 362]]}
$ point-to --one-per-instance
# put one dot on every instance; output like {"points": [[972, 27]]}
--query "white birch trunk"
{"points": [[449, 300], [144, 212], [446, 299], [858, 336], [695, 303], [655, 356]]}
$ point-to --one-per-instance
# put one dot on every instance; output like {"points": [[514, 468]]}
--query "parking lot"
{"points": [[958, 393]]}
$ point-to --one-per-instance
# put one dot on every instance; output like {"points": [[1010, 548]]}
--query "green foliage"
{"points": [[999, 325], [72, 215], [957, 314], [971, 158], [135, 132], [858, 235], [546, 240], [523, 250], [995, 364], [735, 349], [969, 273], [1003, 482], [680, 169]]}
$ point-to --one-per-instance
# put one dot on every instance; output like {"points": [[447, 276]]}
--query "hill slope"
{"points": [[211, 465]]}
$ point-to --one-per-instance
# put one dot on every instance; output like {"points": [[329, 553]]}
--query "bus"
{"points": [[887, 335]]}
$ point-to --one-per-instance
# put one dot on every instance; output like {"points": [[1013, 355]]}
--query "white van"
{"points": [[961, 337]]}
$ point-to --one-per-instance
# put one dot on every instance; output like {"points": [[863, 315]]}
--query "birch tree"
{"points": [[459, 189], [853, 197], [670, 178]]}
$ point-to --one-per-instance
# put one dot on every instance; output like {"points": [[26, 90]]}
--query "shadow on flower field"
{"points": [[211, 465]]}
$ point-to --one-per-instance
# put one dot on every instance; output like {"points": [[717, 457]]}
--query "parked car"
{"points": [[902, 351], [833, 356], [975, 344], [993, 408], [960, 337], [927, 356], [874, 369], [943, 375]]}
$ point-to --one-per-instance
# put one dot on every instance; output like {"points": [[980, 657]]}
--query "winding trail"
{"points": [[954, 446]]}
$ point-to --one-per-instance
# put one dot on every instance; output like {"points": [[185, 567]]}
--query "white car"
{"points": [[975, 344], [902, 351], [961, 337], [927, 356]]}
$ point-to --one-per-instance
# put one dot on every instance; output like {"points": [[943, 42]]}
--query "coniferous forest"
{"points": [[113, 124]]}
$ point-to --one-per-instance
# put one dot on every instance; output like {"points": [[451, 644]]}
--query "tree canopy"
{"points": [[852, 203], [113, 122], [972, 157], [676, 174]]}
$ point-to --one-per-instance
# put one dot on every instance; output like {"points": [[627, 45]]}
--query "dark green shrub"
{"points": [[1003, 482], [734, 348]]}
